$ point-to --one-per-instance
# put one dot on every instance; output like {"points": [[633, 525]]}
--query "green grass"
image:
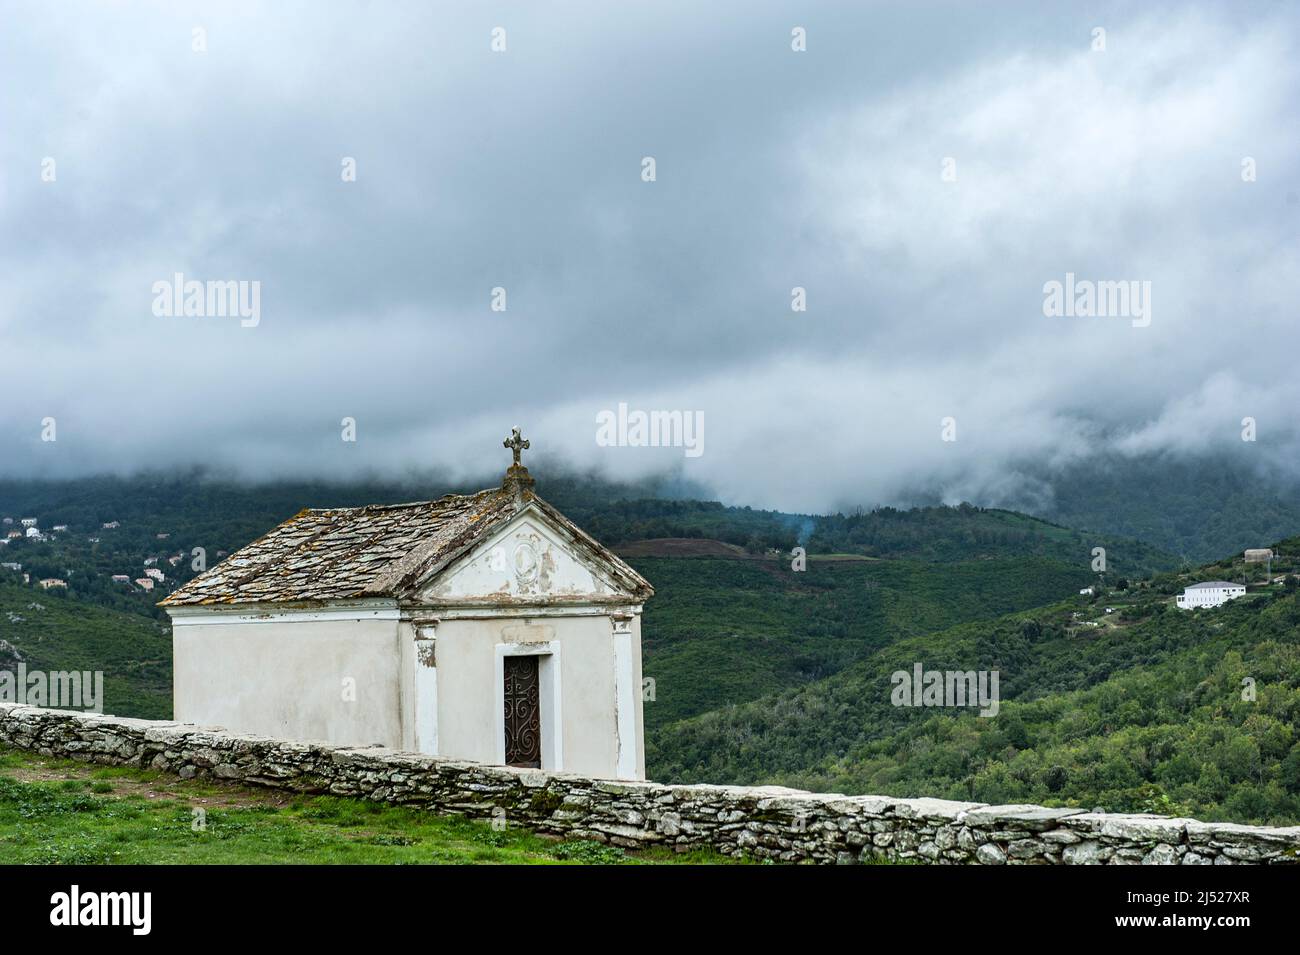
{"points": [[67, 813]]}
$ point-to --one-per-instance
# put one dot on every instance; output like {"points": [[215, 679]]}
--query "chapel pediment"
{"points": [[534, 560], [502, 543]]}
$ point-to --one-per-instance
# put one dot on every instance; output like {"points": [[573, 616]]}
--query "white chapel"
{"points": [[484, 626]]}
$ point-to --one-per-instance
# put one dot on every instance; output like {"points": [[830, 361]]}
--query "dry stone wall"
{"points": [[765, 822]]}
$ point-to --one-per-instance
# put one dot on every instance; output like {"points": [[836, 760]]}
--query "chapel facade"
{"points": [[484, 626]]}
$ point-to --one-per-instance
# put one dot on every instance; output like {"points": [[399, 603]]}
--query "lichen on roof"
{"points": [[377, 550], [342, 553]]}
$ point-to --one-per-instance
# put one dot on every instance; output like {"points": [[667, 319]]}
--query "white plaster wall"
{"points": [[1209, 596], [285, 679], [525, 559], [468, 697], [638, 676]]}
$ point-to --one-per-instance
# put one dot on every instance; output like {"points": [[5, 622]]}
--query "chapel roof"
{"points": [[380, 550]]}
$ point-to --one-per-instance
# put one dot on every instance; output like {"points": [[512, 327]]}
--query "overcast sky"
{"points": [[774, 168]]}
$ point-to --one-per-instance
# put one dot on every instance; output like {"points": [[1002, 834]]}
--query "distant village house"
{"points": [[1211, 593]]}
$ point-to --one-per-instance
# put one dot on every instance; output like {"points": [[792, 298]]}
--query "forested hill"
{"points": [[163, 518], [725, 631], [964, 532], [1196, 507], [224, 514], [719, 630], [1119, 700], [51, 632], [770, 672]]}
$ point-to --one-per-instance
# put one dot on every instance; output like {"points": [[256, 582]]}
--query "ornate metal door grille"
{"points": [[523, 713]]}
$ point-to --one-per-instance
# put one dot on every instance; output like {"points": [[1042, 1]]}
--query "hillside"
{"points": [[1198, 508], [963, 532], [731, 621], [176, 524], [49, 631], [166, 515], [720, 632], [200, 509], [1136, 710], [158, 521], [764, 673]]}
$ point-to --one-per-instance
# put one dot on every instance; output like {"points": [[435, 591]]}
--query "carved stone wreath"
{"points": [[527, 564]]}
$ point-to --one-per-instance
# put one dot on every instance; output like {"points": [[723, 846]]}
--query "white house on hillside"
{"points": [[483, 626], [1211, 593]]}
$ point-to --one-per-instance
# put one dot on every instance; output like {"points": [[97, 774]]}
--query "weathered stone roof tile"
{"points": [[372, 551]]}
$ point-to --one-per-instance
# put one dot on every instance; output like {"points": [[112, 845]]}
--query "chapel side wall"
{"points": [[286, 679], [468, 695]]}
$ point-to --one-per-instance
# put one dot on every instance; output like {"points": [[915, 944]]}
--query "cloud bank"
{"points": [[921, 173]]}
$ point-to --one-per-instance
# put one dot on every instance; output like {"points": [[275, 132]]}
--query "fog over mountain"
{"points": [[1169, 157]]}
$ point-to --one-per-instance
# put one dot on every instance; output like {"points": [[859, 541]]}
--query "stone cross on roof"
{"points": [[518, 482], [515, 443]]}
